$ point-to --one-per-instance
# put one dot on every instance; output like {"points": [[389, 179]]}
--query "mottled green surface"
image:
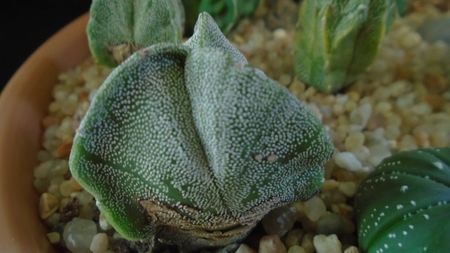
{"points": [[132, 24], [226, 13], [198, 140], [404, 206], [337, 40]]}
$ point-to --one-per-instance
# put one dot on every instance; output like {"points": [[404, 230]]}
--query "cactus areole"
{"points": [[191, 145], [404, 206]]}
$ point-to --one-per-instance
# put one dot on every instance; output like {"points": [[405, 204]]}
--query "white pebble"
{"points": [[243, 248], [361, 115], [348, 160], [327, 244], [78, 235], [99, 243]]}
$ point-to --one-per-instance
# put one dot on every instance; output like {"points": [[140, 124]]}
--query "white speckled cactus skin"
{"points": [[404, 206], [189, 144], [117, 28], [336, 40]]}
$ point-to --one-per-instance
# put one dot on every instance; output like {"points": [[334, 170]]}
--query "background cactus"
{"points": [[338, 40], [189, 144], [404, 206], [117, 28], [225, 12]]}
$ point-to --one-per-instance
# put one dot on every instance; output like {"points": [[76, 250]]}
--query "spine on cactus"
{"points": [[336, 40]]}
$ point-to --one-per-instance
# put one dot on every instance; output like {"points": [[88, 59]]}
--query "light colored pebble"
{"points": [[348, 188], [361, 115], [99, 243], [244, 248], [327, 244], [78, 235], [271, 244], [351, 249], [296, 249], [348, 160], [354, 140], [314, 208], [53, 237], [48, 204]]}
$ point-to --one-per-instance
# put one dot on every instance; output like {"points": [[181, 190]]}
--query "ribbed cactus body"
{"points": [[404, 206], [189, 144], [117, 28], [336, 40]]}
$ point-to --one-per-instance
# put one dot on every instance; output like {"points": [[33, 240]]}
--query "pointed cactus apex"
{"points": [[337, 40], [404, 205], [187, 144], [117, 28]]}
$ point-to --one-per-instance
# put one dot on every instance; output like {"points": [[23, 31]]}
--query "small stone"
{"points": [[348, 188], [361, 115], [271, 244], [348, 160], [78, 235], [307, 243], [330, 223], [351, 249], [244, 248], [294, 237], [279, 221], [296, 249], [354, 140], [53, 237], [327, 244], [99, 243], [66, 188], [48, 204], [314, 208]]}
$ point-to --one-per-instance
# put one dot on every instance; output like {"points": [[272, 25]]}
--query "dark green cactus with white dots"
{"points": [[336, 40], [189, 144], [404, 206]]}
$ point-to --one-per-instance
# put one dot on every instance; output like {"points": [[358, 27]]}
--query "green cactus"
{"points": [[117, 28], [225, 12], [189, 144], [404, 206], [336, 40]]}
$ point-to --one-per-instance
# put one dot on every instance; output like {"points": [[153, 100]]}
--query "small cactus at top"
{"points": [[191, 145], [225, 12], [404, 205], [337, 40], [117, 28]]}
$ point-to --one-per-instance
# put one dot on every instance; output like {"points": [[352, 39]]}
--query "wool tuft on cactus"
{"points": [[190, 145], [336, 40]]}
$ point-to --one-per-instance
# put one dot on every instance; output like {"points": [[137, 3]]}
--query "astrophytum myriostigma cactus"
{"points": [[404, 206], [226, 13], [337, 40], [190, 145], [117, 28]]}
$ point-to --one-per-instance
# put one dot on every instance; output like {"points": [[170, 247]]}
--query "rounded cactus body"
{"points": [[117, 28], [189, 144], [337, 40], [404, 206]]}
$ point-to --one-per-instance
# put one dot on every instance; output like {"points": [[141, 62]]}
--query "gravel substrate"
{"points": [[402, 102]]}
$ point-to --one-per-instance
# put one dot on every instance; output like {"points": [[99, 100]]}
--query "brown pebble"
{"points": [[70, 210], [435, 101], [63, 151], [50, 121]]}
